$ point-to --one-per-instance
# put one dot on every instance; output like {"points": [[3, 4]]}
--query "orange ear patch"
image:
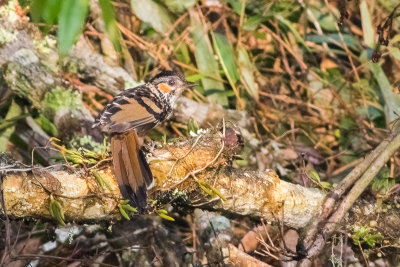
{"points": [[164, 88]]}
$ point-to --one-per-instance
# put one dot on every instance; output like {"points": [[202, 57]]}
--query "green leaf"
{"points": [[123, 212], [179, 6], [102, 183], [153, 13], [46, 125], [162, 211], [392, 100], [326, 185], [74, 159], [13, 112], [253, 22], [71, 19], [56, 211], [51, 11], [219, 93], [166, 217], [128, 207], [334, 38], [313, 175], [194, 77], [368, 29], [45, 9], [124, 208], [60, 210], [210, 190], [226, 57], [125, 201], [36, 9], [236, 4], [326, 21], [110, 23], [292, 28], [163, 214], [183, 54], [247, 69], [192, 126], [206, 61]]}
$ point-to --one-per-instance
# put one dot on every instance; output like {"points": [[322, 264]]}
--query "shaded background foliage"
{"points": [[317, 100]]}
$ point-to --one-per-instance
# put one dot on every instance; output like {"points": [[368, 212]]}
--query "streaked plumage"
{"points": [[133, 112]]}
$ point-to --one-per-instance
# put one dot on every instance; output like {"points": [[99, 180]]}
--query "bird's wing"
{"points": [[136, 109]]}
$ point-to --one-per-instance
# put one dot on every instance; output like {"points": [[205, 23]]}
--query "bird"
{"points": [[129, 116]]}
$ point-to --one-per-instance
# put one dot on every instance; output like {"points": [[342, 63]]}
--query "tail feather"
{"points": [[144, 166], [119, 167], [130, 167]]}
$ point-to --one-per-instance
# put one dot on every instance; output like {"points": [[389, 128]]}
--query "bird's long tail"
{"points": [[131, 169]]}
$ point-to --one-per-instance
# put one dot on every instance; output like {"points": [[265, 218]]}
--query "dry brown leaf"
{"points": [[327, 63]]}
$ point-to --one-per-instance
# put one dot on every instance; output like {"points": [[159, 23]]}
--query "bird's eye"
{"points": [[171, 82]]}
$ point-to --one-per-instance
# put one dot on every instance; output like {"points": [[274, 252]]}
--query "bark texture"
{"points": [[184, 172]]}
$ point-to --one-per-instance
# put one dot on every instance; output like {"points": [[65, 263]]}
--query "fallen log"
{"points": [[195, 172]]}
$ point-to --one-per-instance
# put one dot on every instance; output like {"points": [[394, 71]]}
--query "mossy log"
{"points": [[184, 172]]}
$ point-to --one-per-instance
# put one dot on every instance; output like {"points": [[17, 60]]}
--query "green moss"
{"points": [[47, 48], [8, 11], [72, 67], [13, 112], [88, 143], [25, 76], [383, 182], [46, 45], [7, 36], [365, 235], [60, 98]]}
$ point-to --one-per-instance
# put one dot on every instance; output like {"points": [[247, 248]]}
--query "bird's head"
{"points": [[170, 82]]}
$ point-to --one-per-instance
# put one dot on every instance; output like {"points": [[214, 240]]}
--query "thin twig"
{"points": [[187, 153], [361, 182], [193, 173], [101, 162], [362, 253]]}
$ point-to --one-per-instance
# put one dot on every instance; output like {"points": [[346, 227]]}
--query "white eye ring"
{"points": [[171, 82]]}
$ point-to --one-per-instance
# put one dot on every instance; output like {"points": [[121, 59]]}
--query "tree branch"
{"points": [[357, 181], [253, 193]]}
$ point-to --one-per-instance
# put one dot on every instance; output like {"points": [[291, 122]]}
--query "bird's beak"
{"points": [[190, 84]]}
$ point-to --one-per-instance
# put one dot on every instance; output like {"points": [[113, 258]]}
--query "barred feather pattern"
{"points": [[129, 115], [141, 108]]}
